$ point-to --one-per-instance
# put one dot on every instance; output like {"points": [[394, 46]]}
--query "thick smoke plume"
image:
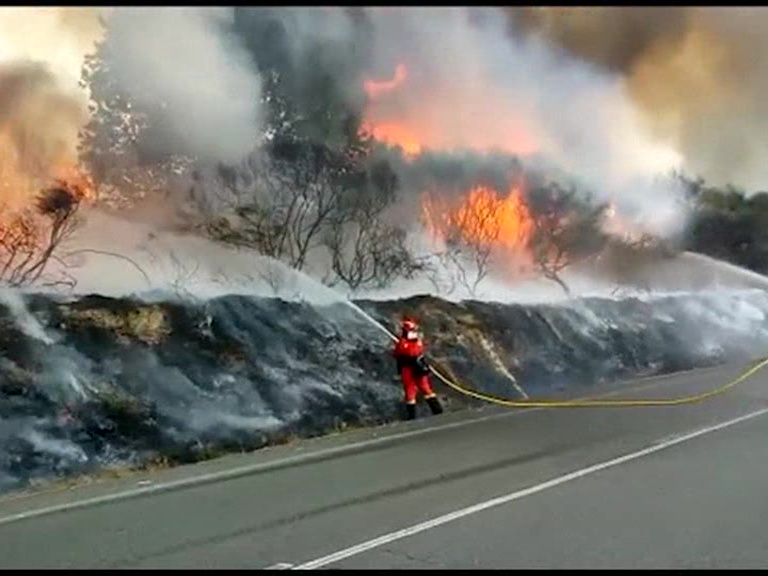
{"points": [[472, 87], [41, 107], [449, 80], [58, 38], [465, 83], [39, 123], [212, 83], [694, 72], [181, 65], [185, 68]]}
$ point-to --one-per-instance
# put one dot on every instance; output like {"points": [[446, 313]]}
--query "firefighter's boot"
{"points": [[410, 411], [434, 405]]}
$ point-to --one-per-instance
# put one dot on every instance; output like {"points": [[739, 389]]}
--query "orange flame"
{"points": [[397, 117], [374, 89], [23, 178], [78, 180], [395, 134], [18, 223], [24, 231], [483, 218], [392, 133]]}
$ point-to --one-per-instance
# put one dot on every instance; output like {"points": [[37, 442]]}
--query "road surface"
{"points": [[670, 487]]}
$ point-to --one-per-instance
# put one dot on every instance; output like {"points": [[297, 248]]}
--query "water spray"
{"points": [[457, 386]]}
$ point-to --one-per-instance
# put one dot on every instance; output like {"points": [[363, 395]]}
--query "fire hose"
{"points": [[457, 386]]}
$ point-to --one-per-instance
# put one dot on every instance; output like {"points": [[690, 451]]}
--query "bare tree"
{"points": [[470, 260], [282, 205], [567, 230], [434, 267], [30, 239], [183, 275], [274, 277], [305, 197], [182, 271], [372, 255], [364, 249]]}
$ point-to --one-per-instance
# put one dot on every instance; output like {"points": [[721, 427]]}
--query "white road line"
{"points": [[643, 383], [439, 521], [279, 566]]}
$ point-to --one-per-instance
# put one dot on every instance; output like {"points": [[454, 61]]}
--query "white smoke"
{"points": [[182, 66], [64, 449], [471, 86], [187, 63], [116, 257], [58, 38], [23, 317], [42, 109]]}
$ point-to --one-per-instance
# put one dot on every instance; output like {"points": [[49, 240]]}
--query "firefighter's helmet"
{"points": [[409, 329]]}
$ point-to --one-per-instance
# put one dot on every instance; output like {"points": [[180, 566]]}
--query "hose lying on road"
{"points": [[603, 402], [454, 384]]}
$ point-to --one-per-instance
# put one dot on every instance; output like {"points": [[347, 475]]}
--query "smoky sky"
{"points": [[473, 84], [217, 79], [187, 67], [38, 128], [697, 74]]}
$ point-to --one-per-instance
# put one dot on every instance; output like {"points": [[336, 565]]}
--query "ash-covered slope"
{"points": [[98, 381]]}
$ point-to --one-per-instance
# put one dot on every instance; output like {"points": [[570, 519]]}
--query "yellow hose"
{"points": [[587, 403], [606, 402]]}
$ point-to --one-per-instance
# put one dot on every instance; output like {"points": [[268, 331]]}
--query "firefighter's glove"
{"points": [[422, 364]]}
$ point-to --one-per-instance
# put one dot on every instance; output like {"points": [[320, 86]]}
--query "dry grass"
{"points": [[148, 324]]}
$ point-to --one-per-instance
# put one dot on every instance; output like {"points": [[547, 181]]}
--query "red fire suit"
{"points": [[414, 378]]}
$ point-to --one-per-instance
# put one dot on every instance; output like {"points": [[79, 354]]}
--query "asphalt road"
{"points": [[671, 487]]}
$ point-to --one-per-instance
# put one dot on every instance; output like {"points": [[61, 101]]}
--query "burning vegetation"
{"points": [[519, 235], [41, 186], [408, 113], [30, 238], [388, 131], [480, 229], [324, 187], [481, 217], [326, 190]]}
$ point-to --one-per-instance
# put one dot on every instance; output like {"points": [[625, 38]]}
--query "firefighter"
{"points": [[414, 369]]}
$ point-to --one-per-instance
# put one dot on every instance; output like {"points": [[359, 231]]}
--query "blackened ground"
{"points": [[105, 382]]}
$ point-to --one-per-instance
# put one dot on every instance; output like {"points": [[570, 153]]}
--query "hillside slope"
{"points": [[98, 382]]}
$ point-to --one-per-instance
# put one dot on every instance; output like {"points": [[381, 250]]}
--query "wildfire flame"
{"points": [[393, 133], [396, 134], [399, 115], [77, 180], [19, 185], [374, 89], [27, 226], [482, 218]]}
